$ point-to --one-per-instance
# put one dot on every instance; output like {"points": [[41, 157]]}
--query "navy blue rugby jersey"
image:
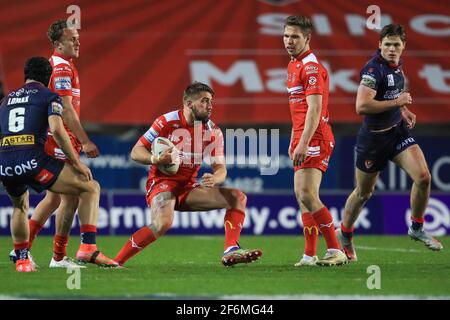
{"points": [[388, 81], [24, 116]]}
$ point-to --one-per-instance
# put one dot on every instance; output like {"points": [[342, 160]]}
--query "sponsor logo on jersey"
{"points": [[22, 91], [311, 69], [405, 143], [20, 140], [44, 176], [63, 83], [19, 169], [151, 135], [159, 123], [391, 94]]}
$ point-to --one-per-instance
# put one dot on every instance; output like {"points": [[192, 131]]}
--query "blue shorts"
{"points": [[375, 149], [20, 168]]}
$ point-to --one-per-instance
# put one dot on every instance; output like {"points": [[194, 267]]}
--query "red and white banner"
{"points": [[138, 56]]}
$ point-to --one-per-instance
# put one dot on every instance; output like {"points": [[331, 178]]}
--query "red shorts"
{"points": [[319, 153], [53, 150], [179, 189]]}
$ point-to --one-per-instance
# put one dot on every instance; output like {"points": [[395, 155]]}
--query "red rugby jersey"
{"points": [[194, 144], [306, 76], [65, 81]]}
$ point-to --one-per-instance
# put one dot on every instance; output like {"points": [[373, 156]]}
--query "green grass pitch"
{"points": [[189, 267]]}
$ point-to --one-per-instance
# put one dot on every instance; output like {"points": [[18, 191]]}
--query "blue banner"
{"points": [[124, 213], [115, 170]]}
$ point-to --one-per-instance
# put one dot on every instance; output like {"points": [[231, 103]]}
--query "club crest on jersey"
{"points": [[368, 164], [163, 186], [312, 80]]}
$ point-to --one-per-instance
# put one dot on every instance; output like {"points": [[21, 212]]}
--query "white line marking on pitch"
{"points": [[387, 249]]}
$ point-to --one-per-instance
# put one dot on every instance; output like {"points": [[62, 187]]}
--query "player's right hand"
{"points": [[290, 152], [167, 157], [404, 99], [90, 149], [83, 170]]}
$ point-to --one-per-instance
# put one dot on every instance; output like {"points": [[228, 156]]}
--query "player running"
{"points": [[312, 140], [193, 133], [25, 116], [385, 136]]}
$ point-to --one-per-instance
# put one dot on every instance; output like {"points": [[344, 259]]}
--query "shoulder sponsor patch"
{"points": [[151, 135], [311, 69], [368, 81], [57, 108], [63, 83]]}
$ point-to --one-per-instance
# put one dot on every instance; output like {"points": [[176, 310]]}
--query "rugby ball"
{"points": [[159, 145]]}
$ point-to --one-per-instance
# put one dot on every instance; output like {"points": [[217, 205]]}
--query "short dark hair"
{"points": [[38, 69], [56, 30], [393, 29], [195, 88], [300, 21]]}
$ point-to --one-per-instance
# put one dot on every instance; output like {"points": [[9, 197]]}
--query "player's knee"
{"points": [[93, 187], [364, 195], [424, 179], [21, 207], [305, 196], [238, 199]]}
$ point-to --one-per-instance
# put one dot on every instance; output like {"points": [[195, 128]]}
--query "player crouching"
{"points": [[171, 187]]}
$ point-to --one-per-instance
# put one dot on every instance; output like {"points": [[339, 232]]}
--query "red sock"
{"points": [[311, 234], [35, 228], [347, 230], [233, 222], [138, 241], [325, 221], [418, 220], [59, 247], [21, 245]]}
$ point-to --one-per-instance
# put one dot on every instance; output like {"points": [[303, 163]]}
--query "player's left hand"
{"points": [[90, 149], [300, 153], [409, 117], [208, 180]]}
